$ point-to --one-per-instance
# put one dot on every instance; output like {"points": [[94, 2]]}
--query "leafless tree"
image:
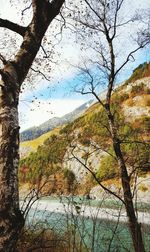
{"points": [[13, 74], [100, 25]]}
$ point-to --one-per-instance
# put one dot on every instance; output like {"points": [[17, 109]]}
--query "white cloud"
{"points": [[66, 51], [41, 111]]}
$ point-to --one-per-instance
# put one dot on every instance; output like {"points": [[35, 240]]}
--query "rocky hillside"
{"points": [[65, 158], [52, 123]]}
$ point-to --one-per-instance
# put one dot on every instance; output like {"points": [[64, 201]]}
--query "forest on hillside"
{"points": [[92, 126], [83, 186]]}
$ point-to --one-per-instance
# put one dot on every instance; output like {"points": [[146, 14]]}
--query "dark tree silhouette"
{"points": [[99, 27], [12, 75]]}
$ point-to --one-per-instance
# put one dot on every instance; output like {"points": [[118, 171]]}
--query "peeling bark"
{"points": [[11, 220], [12, 77]]}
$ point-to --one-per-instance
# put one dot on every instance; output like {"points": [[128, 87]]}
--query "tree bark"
{"points": [[134, 226], [12, 77], [11, 219]]}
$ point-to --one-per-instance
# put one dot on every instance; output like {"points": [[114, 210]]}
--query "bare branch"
{"points": [[38, 71], [128, 57], [118, 6], [95, 177], [94, 11], [97, 97], [27, 8], [3, 59], [13, 26], [104, 150], [46, 55]]}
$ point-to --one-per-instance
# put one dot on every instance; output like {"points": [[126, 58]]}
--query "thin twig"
{"points": [[38, 71]]}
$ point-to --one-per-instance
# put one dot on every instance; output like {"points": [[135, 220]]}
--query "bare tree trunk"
{"points": [[12, 77], [134, 226], [102, 19], [11, 220]]}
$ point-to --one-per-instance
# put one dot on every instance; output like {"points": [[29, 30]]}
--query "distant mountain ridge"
{"points": [[54, 122], [60, 154], [142, 71]]}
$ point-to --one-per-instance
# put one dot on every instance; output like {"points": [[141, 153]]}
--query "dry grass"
{"points": [[41, 241], [46, 240], [143, 188], [139, 101], [39, 141]]}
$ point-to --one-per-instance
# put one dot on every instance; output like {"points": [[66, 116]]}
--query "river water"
{"points": [[100, 226]]}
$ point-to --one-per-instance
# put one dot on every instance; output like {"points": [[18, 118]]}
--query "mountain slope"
{"points": [[35, 132], [31, 145], [142, 71], [87, 139]]}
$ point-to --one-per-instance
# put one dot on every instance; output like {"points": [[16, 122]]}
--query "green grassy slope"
{"points": [[92, 127], [33, 144], [142, 71]]}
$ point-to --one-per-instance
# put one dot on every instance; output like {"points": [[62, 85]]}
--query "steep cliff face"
{"points": [[138, 103], [79, 156], [135, 109], [84, 145]]}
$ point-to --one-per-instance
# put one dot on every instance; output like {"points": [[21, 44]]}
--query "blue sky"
{"points": [[52, 99], [48, 99]]}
